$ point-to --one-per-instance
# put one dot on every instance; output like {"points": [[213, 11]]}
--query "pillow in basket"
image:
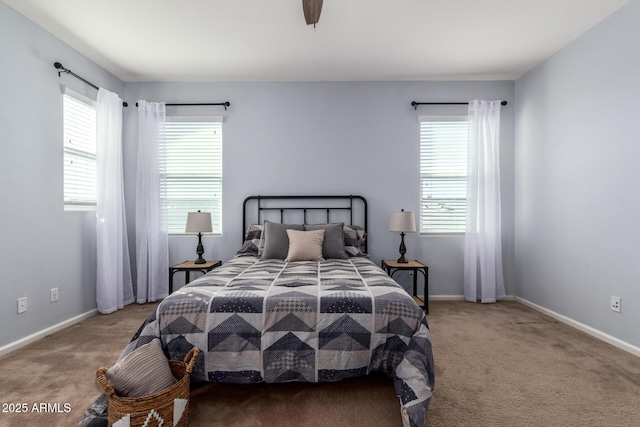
{"points": [[143, 372]]}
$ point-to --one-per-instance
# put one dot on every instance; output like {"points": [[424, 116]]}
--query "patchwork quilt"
{"points": [[267, 320]]}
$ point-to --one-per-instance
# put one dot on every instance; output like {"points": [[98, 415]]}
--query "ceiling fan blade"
{"points": [[312, 9]]}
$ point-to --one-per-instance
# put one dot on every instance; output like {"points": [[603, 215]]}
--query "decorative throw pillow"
{"points": [[305, 245], [276, 241], [253, 241], [143, 372], [354, 238], [333, 244]]}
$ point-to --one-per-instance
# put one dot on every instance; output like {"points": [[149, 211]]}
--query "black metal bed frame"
{"points": [[277, 203]]}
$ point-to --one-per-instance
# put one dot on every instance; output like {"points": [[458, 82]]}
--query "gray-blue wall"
{"points": [[331, 138], [577, 174], [41, 245]]}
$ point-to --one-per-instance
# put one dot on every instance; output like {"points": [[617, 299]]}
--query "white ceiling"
{"points": [[268, 40]]}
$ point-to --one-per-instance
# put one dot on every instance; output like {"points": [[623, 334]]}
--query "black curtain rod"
{"points": [[415, 104], [61, 70], [225, 104]]}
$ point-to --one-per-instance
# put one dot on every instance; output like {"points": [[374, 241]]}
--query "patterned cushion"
{"points": [[354, 238], [305, 245], [276, 241], [143, 372], [333, 244], [253, 241]]}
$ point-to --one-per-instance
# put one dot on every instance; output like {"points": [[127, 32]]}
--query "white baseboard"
{"points": [[446, 297], [48, 331], [623, 345], [461, 298]]}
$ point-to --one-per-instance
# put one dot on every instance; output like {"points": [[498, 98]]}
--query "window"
{"points": [[79, 115], [193, 170], [443, 174]]}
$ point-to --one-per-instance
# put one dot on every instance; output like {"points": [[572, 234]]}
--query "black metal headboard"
{"points": [[256, 208]]}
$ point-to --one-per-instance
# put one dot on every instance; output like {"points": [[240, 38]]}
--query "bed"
{"points": [[261, 318]]}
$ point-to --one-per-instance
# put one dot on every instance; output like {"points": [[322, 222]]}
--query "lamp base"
{"points": [[403, 250], [200, 251]]}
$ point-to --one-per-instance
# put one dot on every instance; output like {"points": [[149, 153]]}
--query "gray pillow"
{"points": [[276, 241], [143, 372], [333, 244]]}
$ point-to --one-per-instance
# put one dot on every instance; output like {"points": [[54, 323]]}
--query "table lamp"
{"points": [[402, 222], [199, 222]]}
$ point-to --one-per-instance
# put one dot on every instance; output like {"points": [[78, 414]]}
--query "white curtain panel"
{"points": [[114, 289], [483, 275], [152, 240]]}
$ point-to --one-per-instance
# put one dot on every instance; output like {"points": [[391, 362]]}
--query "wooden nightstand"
{"points": [[392, 266], [189, 266]]}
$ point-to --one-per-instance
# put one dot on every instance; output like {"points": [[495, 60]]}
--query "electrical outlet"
{"points": [[54, 294], [22, 305], [615, 303]]}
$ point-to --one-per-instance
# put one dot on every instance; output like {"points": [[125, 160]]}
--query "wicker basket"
{"points": [[141, 409]]}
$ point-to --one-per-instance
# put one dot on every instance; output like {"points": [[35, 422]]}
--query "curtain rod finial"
{"points": [[60, 68]]}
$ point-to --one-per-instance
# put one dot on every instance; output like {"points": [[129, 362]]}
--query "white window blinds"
{"points": [[193, 170], [79, 115], [443, 173]]}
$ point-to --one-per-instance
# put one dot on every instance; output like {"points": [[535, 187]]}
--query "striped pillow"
{"points": [[305, 245], [143, 372]]}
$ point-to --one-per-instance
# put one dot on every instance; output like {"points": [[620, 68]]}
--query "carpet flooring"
{"points": [[496, 365]]}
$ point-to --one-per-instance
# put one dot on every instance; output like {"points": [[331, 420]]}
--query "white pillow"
{"points": [[143, 372], [305, 245]]}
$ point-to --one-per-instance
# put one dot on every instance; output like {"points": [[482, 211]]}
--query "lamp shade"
{"points": [[198, 222], [402, 222]]}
